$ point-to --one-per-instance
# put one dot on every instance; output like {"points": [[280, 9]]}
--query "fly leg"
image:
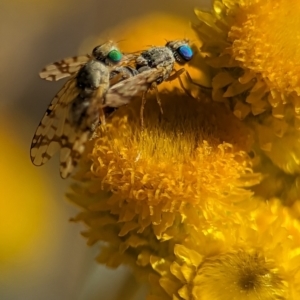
{"points": [[99, 103], [177, 75], [195, 83], [102, 116], [154, 86], [142, 109]]}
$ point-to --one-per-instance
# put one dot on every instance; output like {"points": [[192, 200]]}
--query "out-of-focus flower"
{"points": [[28, 239], [259, 257], [21, 214]]}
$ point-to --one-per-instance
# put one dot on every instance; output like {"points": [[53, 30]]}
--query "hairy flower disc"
{"points": [[243, 274], [179, 160]]}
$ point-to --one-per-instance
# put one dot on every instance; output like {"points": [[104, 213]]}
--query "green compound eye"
{"points": [[114, 55]]}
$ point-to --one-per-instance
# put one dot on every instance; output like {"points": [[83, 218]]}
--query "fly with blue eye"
{"points": [[153, 66], [73, 113]]}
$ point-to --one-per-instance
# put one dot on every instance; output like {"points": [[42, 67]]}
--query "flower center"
{"points": [[239, 275], [188, 153]]}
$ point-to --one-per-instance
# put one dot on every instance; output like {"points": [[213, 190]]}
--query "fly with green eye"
{"points": [[155, 65], [69, 121]]}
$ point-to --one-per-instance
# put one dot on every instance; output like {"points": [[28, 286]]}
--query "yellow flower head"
{"points": [[144, 188], [264, 41], [255, 259], [257, 41], [181, 200], [253, 49]]}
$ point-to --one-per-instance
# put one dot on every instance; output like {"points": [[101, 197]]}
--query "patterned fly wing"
{"points": [[55, 130], [123, 92], [69, 66], [64, 68], [69, 120], [77, 108]]}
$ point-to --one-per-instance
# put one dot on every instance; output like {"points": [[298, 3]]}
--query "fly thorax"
{"points": [[163, 57], [92, 75], [155, 57]]}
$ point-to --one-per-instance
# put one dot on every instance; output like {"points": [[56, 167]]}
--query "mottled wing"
{"points": [[129, 59], [57, 132], [122, 92], [64, 68]]}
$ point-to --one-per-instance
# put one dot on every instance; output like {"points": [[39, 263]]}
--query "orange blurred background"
{"points": [[42, 255]]}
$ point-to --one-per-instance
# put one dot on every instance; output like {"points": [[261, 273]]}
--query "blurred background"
{"points": [[42, 255]]}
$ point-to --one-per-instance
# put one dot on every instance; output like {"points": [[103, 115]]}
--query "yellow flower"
{"points": [[253, 49], [259, 258], [144, 191], [256, 41], [185, 201]]}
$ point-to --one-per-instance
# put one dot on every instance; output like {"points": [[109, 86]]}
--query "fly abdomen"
{"points": [[122, 73], [79, 108]]}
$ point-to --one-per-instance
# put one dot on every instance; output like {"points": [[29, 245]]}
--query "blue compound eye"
{"points": [[115, 55], [185, 52]]}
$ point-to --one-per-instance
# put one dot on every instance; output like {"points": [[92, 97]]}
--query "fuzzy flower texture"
{"points": [[203, 204]]}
